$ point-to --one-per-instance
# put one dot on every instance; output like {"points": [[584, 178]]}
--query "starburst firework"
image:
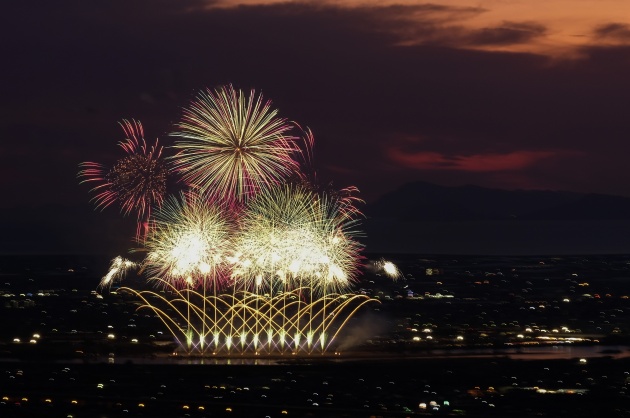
{"points": [[137, 181], [232, 146], [293, 237], [188, 242]]}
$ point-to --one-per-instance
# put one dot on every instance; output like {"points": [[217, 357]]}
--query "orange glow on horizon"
{"points": [[565, 25]]}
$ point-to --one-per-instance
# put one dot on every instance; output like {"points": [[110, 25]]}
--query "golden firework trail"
{"points": [[248, 323]]}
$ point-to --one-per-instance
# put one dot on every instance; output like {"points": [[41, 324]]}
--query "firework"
{"points": [[246, 322], [137, 181], [390, 269], [253, 258], [118, 269], [293, 237], [188, 242], [232, 146]]}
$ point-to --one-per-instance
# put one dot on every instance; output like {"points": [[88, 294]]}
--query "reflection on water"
{"points": [[570, 351], [555, 352]]}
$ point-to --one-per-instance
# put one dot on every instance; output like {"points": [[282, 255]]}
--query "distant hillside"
{"points": [[56, 229], [422, 201]]}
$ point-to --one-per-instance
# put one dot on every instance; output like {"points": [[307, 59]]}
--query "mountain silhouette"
{"points": [[421, 201]]}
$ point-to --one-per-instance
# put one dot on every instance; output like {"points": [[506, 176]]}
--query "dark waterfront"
{"points": [[455, 335]]}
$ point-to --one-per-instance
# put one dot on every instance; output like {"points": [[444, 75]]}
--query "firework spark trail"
{"points": [[232, 145], [118, 269], [136, 181]]}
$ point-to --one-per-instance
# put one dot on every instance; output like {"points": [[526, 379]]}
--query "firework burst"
{"points": [[137, 181], [390, 269], [118, 269], [293, 237], [188, 242], [232, 146]]}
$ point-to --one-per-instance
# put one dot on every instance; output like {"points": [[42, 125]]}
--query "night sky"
{"points": [[514, 94]]}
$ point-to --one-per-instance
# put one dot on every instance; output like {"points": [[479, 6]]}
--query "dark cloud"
{"points": [[509, 33], [618, 31], [515, 160]]}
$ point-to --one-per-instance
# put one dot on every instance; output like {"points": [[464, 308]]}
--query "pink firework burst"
{"points": [[136, 181]]}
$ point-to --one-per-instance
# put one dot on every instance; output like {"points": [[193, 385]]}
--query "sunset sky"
{"points": [[510, 94]]}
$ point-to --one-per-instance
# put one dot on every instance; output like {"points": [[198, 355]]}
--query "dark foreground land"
{"points": [[464, 336], [495, 387]]}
